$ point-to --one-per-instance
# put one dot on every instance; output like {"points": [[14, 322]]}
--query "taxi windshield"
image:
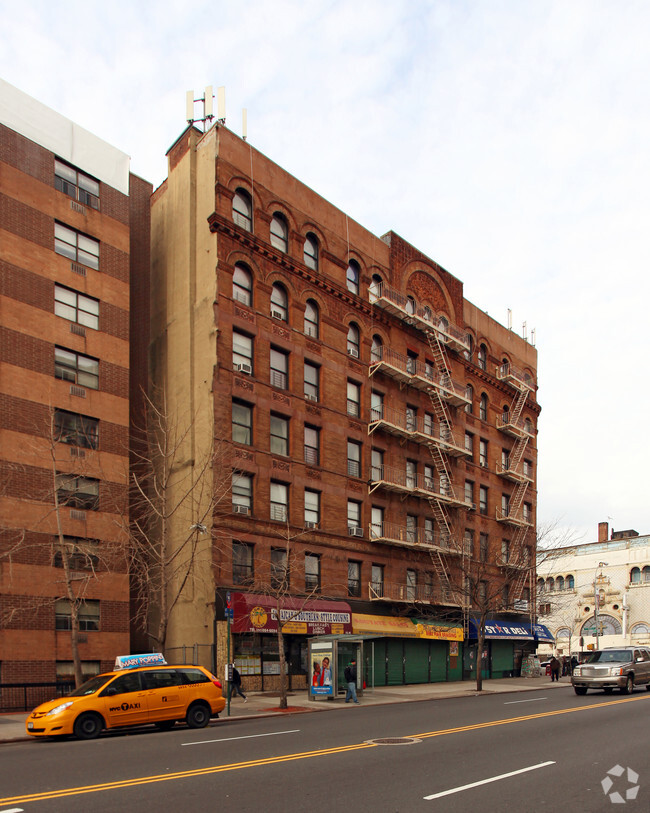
{"points": [[91, 686]]}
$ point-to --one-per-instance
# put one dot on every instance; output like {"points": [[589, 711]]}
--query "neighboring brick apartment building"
{"points": [[370, 413], [73, 220]]}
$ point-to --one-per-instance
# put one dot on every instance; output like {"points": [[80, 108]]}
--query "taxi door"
{"points": [[163, 694], [124, 701]]}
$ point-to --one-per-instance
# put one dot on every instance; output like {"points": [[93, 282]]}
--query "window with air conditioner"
{"points": [[242, 352], [354, 518], [311, 381], [353, 340], [279, 302], [242, 493], [312, 319], [312, 508]]}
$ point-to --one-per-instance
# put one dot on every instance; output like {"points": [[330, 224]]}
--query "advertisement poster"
{"points": [[321, 673]]}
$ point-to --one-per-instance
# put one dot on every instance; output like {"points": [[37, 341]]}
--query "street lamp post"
{"points": [[600, 564]]}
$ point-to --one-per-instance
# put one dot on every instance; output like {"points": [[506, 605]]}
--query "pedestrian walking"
{"points": [[350, 674], [235, 685], [555, 669]]}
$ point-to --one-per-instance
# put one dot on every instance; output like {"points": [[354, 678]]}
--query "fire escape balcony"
{"points": [[414, 485], [389, 533], [399, 305], [519, 428], [518, 474], [399, 424], [511, 562], [516, 518], [515, 376], [414, 373], [408, 593]]}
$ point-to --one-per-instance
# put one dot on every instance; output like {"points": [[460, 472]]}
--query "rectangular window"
{"points": [[354, 458], [279, 501], [279, 372], [411, 529], [312, 389], [79, 492], [78, 369], [354, 518], [242, 563], [469, 492], [429, 478], [505, 551], [80, 553], [242, 353], [468, 542], [354, 578], [242, 493], [428, 424], [88, 614], [312, 508], [482, 594], [377, 465], [377, 580], [469, 443], [411, 418], [505, 505], [279, 569], [242, 423], [377, 522], [279, 434], [76, 430], [528, 512], [76, 246], [483, 547], [312, 573], [76, 307], [483, 499], [528, 469], [429, 530], [505, 459], [483, 453], [376, 406], [354, 399], [411, 473], [411, 362], [76, 185], [411, 585], [312, 445]]}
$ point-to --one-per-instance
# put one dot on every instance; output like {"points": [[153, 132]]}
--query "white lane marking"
{"points": [[230, 739], [532, 700], [13, 810], [487, 781]]}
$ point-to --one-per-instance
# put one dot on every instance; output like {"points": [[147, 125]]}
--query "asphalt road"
{"points": [[513, 752]]}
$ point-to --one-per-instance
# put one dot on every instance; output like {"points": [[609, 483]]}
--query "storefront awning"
{"points": [[503, 630], [254, 612], [382, 625], [542, 633]]}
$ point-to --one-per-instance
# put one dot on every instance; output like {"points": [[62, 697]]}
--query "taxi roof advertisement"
{"points": [[258, 613]]}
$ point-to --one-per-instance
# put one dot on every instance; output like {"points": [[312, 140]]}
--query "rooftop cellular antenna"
{"points": [[244, 123], [207, 101]]}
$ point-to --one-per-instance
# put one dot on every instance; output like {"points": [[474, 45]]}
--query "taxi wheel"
{"points": [[88, 726], [198, 715], [165, 725]]}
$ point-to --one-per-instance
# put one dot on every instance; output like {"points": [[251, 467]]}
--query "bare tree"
{"points": [[175, 493]]}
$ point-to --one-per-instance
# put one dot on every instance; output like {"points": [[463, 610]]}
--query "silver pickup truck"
{"points": [[613, 668]]}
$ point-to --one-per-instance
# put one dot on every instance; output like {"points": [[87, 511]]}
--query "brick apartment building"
{"points": [[73, 223], [372, 417]]}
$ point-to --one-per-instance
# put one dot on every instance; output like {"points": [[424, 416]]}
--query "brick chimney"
{"points": [[603, 531]]}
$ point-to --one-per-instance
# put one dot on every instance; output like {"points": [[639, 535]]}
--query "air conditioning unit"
{"points": [[243, 368], [355, 531], [277, 315], [310, 397], [241, 509], [352, 351], [310, 524]]}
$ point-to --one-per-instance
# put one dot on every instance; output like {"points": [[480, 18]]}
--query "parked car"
{"points": [[132, 695], [613, 668]]}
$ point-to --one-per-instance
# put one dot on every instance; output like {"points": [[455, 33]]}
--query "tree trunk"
{"points": [[283, 676]]}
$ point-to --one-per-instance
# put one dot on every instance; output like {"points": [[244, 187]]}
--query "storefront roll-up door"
{"points": [[439, 661], [380, 661], [395, 658], [503, 661], [416, 661]]}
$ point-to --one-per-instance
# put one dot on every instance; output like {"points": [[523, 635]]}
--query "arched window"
{"points": [[607, 625], [640, 629], [353, 341], [426, 313], [635, 575], [469, 394], [483, 406], [645, 574], [410, 304], [279, 302], [570, 583], [242, 210], [311, 325], [563, 632], [481, 358], [550, 584], [310, 252], [377, 349], [242, 285], [353, 275], [470, 347], [279, 232], [541, 584], [560, 582], [443, 324], [376, 285]]}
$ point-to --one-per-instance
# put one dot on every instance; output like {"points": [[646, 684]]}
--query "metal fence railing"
{"points": [[16, 697]]}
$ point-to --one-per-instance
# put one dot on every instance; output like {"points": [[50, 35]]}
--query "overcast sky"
{"points": [[507, 139]]}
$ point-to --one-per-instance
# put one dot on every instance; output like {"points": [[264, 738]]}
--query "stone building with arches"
{"points": [[601, 586], [381, 429]]}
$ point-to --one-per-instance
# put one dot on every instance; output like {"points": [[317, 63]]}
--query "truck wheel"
{"points": [[580, 689], [629, 685], [88, 726]]}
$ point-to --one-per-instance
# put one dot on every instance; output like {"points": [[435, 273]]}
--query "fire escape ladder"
{"points": [[518, 498], [518, 549], [441, 571], [518, 452], [518, 405], [442, 521]]}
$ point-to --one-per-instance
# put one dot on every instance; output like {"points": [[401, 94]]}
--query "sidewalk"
{"points": [[12, 726]]}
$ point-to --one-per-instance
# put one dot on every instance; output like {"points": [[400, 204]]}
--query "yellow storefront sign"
{"points": [[404, 628], [295, 628]]}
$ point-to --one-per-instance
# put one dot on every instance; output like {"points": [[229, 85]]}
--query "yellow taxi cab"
{"points": [[141, 689]]}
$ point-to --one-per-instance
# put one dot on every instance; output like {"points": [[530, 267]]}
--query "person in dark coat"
{"points": [[350, 675], [555, 669], [235, 685]]}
